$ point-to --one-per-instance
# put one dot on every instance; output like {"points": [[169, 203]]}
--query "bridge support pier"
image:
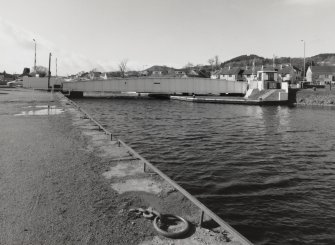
{"points": [[159, 96], [76, 94]]}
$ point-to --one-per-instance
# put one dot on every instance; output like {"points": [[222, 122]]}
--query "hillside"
{"points": [[244, 60], [159, 68], [324, 59], [247, 60]]}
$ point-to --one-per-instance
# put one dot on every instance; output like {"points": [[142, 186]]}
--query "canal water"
{"points": [[268, 171]]}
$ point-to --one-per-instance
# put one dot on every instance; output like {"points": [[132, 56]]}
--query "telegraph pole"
{"points": [[49, 74], [304, 58]]}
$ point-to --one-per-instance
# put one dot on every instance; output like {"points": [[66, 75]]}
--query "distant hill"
{"points": [[247, 60], [324, 59], [160, 68], [244, 60]]}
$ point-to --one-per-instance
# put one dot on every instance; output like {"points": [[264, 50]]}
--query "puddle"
{"points": [[123, 170], [137, 185], [40, 106], [49, 110]]}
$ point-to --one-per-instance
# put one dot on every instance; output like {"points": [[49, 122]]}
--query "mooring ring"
{"points": [[148, 215], [172, 234]]}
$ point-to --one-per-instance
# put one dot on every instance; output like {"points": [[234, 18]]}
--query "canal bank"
{"points": [[53, 197]]}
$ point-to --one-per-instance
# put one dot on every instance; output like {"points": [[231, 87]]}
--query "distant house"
{"points": [[192, 73], [5, 77], [144, 73], [215, 74], [321, 74], [180, 73], [250, 74], [84, 76], [168, 72], [94, 75], [157, 73], [232, 74], [289, 73], [104, 76], [132, 74]]}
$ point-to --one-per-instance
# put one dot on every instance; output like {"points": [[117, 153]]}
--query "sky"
{"points": [[99, 34]]}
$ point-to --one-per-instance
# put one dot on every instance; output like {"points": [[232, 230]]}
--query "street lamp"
{"points": [[35, 56], [304, 58]]}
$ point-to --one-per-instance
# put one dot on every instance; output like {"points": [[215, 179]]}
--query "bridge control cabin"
{"points": [[267, 78]]}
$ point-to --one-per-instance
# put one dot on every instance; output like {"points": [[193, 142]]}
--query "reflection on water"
{"points": [[51, 110], [268, 171]]}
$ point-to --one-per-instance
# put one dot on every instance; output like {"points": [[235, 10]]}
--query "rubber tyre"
{"points": [[172, 234]]}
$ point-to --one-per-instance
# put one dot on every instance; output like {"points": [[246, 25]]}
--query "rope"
{"points": [[154, 215]]}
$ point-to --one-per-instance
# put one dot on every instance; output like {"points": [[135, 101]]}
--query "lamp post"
{"points": [[35, 56]]}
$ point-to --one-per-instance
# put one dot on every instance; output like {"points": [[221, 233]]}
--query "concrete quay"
{"points": [[63, 180], [227, 100]]}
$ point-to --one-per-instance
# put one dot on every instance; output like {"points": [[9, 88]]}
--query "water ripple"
{"points": [[268, 171]]}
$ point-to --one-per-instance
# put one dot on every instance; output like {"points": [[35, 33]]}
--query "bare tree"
{"points": [[216, 62], [211, 61], [188, 66], [40, 70], [123, 67]]}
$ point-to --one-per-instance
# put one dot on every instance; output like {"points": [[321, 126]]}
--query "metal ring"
{"points": [[172, 234], [148, 215]]}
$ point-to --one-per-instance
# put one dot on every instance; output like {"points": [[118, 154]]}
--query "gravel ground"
{"points": [[322, 97], [48, 196], [52, 185]]}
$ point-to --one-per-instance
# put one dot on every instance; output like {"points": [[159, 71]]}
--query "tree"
{"points": [[123, 67], [26, 71], [188, 66], [211, 62], [41, 71], [216, 62]]}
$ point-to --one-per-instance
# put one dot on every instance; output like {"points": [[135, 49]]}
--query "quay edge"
{"points": [[235, 236]]}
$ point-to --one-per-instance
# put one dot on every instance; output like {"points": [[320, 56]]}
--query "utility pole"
{"points": [[304, 59], [49, 74], [273, 61], [35, 56], [56, 67]]}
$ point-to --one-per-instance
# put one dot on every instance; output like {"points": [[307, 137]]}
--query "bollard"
{"points": [[144, 167], [111, 137], [201, 218], [119, 143]]}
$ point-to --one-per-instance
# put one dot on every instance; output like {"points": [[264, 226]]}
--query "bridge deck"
{"points": [[159, 85]]}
